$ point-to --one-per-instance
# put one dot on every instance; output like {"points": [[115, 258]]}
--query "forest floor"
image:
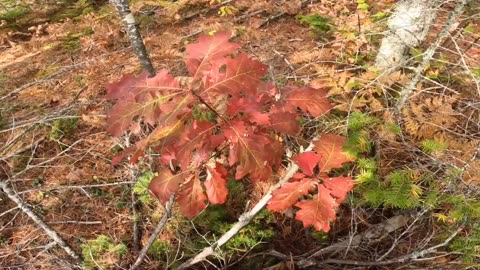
{"points": [[55, 63]]}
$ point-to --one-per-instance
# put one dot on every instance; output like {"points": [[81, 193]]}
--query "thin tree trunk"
{"points": [[134, 34]]}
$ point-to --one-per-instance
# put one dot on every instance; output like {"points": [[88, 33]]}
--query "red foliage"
{"points": [[330, 148], [216, 184], [307, 161], [331, 190], [224, 106]]}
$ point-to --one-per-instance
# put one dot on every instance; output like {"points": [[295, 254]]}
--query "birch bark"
{"points": [[134, 34], [407, 27]]}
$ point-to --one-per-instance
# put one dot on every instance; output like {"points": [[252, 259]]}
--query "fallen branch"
{"points": [[27, 210], [403, 259], [158, 230], [375, 233], [428, 55], [244, 219]]}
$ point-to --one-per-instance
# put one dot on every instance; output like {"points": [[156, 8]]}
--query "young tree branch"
{"points": [[158, 230], [40, 223], [244, 219]]}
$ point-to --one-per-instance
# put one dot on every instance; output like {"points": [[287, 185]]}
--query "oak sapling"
{"points": [[239, 138]]}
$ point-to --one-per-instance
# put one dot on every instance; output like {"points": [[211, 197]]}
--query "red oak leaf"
{"points": [[318, 211], [144, 97], [216, 184], [193, 138], [191, 198], [339, 186], [121, 116], [207, 51], [125, 87], [285, 122], [251, 107], [330, 149], [241, 77], [203, 153], [288, 194], [307, 162], [256, 154], [165, 184], [296, 177], [162, 135], [236, 130], [309, 100]]}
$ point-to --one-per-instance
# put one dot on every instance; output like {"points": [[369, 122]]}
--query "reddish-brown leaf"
{"points": [[256, 154], [288, 194], [191, 198], [251, 107], [339, 186], [207, 51], [216, 184], [330, 149], [241, 77], [285, 122], [161, 135], [121, 116], [127, 86], [144, 97], [318, 211], [310, 100], [194, 137], [296, 177], [307, 161], [165, 184]]}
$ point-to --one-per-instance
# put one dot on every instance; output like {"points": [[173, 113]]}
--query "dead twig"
{"points": [[415, 256], [158, 230], [206, 10], [375, 232], [27, 210]]}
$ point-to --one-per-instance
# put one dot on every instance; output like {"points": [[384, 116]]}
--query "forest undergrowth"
{"points": [[414, 166]]}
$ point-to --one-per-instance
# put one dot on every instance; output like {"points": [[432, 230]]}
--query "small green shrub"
{"points": [[141, 187], [432, 146], [318, 23], [14, 13], [158, 248], [468, 245], [101, 252], [62, 128]]}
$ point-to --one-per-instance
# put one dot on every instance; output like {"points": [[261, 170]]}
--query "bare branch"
{"points": [[49, 231], [158, 230]]}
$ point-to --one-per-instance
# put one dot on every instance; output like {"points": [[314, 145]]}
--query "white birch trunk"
{"points": [[134, 35], [407, 27]]}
